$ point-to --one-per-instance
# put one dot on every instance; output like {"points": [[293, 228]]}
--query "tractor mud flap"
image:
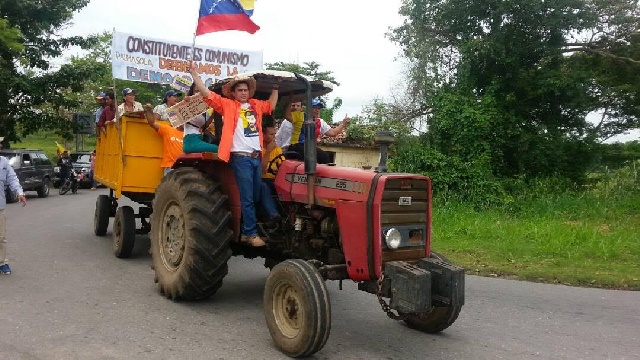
{"points": [[409, 287]]}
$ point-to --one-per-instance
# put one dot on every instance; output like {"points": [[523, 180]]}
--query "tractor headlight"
{"points": [[393, 238]]}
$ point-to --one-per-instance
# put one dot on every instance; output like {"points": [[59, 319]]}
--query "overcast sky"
{"points": [[346, 37]]}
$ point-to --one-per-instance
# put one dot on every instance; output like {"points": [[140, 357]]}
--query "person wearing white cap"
{"points": [[129, 103], [7, 178]]}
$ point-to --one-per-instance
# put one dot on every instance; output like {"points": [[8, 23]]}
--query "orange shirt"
{"points": [[171, 143], [230, 110]]}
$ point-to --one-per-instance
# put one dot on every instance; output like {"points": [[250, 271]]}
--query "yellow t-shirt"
{"points": [[274, 153]]}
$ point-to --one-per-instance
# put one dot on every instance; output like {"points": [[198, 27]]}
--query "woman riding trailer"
{"points": [[129, 103], [193, 141], [241, 144]]}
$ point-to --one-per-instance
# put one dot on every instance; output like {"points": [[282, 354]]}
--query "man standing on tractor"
{"points": [[241, 143]]}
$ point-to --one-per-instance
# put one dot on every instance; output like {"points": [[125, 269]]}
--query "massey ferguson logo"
{"points": [[404, 201]]}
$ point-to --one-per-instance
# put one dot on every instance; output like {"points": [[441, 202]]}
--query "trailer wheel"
{"points": [[297, 308], [439, 318], [190, 235], [124, 232], [101, 215]]}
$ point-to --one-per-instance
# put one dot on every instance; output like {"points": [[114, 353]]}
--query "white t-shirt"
{"points": [[283, 136], [162, 111], [193, 126], [246, 137]]}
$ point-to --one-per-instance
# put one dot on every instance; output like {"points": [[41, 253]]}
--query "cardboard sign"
{"points": [[184, 111]]}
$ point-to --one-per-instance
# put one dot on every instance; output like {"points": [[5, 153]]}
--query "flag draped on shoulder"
{"points": [[220, 15]]}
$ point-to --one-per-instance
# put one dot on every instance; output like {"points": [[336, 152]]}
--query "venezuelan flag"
{"points": [[221, 15]]}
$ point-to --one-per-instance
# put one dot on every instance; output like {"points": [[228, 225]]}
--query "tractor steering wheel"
{"points": [[274, 164]]}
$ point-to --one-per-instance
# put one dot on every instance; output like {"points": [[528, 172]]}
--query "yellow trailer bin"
{"points": [[128, 163]]}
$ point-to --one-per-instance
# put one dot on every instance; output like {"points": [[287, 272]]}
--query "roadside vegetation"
{"points": [[586, 237]]}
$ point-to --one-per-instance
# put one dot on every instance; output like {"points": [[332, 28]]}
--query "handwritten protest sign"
{"points": [[184, 111], [151, 60]]}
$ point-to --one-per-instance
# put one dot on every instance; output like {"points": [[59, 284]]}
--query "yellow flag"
{"points": [[60, 149]]}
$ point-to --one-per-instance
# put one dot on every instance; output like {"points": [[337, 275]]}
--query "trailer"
{"points": [[128, 161]]}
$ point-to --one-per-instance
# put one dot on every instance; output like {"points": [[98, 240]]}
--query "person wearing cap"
{"points": [[8, 178], [171, 138], [241, 143], [108, 113], [102, 102], [170, 99], [291, 137], [129, 103]]}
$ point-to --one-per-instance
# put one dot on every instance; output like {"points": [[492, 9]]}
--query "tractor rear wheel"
{"points": [[190, 235], [439, 318], [297, 308]]}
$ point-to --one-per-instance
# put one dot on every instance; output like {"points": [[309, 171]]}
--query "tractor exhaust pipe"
{"points": [[309, 131]]}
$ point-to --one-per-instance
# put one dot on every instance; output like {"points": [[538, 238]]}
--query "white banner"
{"points": [[141, 58]]}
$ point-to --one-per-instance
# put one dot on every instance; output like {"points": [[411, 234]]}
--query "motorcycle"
{"points": [[71, 182]]}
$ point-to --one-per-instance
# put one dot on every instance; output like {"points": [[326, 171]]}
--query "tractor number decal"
{"points": [[404, 201], [330, 183]]}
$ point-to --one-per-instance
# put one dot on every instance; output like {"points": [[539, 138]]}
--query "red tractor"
{"points": [[370, 227]]}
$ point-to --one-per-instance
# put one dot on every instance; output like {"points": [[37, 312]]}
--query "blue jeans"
{"points": [[248, 174]]}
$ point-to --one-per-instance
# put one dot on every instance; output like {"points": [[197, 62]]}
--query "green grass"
{"points": [[574, 239], [46, 141]]}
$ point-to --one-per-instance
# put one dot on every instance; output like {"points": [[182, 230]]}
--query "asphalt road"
{"points": [[70, 298]]}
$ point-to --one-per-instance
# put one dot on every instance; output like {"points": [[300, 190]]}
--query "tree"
{"points": [[28, 41], [509, 80]]}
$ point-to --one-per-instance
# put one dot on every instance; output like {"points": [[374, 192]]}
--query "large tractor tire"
{"points": [[101, 215], [439, 318], [297, 308], [190, 235], [124, 232]]}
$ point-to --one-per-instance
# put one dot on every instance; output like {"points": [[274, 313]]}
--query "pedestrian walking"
{"points": [[7, 178]]}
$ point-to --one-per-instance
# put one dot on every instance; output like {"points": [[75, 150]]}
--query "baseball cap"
{"points": [[317, 102], [169, 94], [127, 91], [101, 96]]}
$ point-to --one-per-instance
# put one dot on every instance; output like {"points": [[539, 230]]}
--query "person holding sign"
{"points": [[241, 143], [193, 142], [171, 139]]}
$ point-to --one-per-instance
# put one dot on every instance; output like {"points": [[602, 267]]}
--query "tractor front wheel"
{"points": [[297, 308], [439, 318], [190, 235]]}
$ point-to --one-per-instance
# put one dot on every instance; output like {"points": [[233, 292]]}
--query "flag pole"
{"points": [[115, 103]]}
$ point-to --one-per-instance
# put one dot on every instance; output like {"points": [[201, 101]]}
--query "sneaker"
{"points": [[5, 269], [254, 240], [92, 188]]}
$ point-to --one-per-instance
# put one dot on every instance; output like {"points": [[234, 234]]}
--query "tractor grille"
{"points": [[405, 206]]}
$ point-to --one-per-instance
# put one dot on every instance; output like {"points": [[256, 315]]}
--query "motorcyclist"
{"points": [[66, 167]]}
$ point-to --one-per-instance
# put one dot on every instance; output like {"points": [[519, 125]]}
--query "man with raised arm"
{"points": [[241, 143]]}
